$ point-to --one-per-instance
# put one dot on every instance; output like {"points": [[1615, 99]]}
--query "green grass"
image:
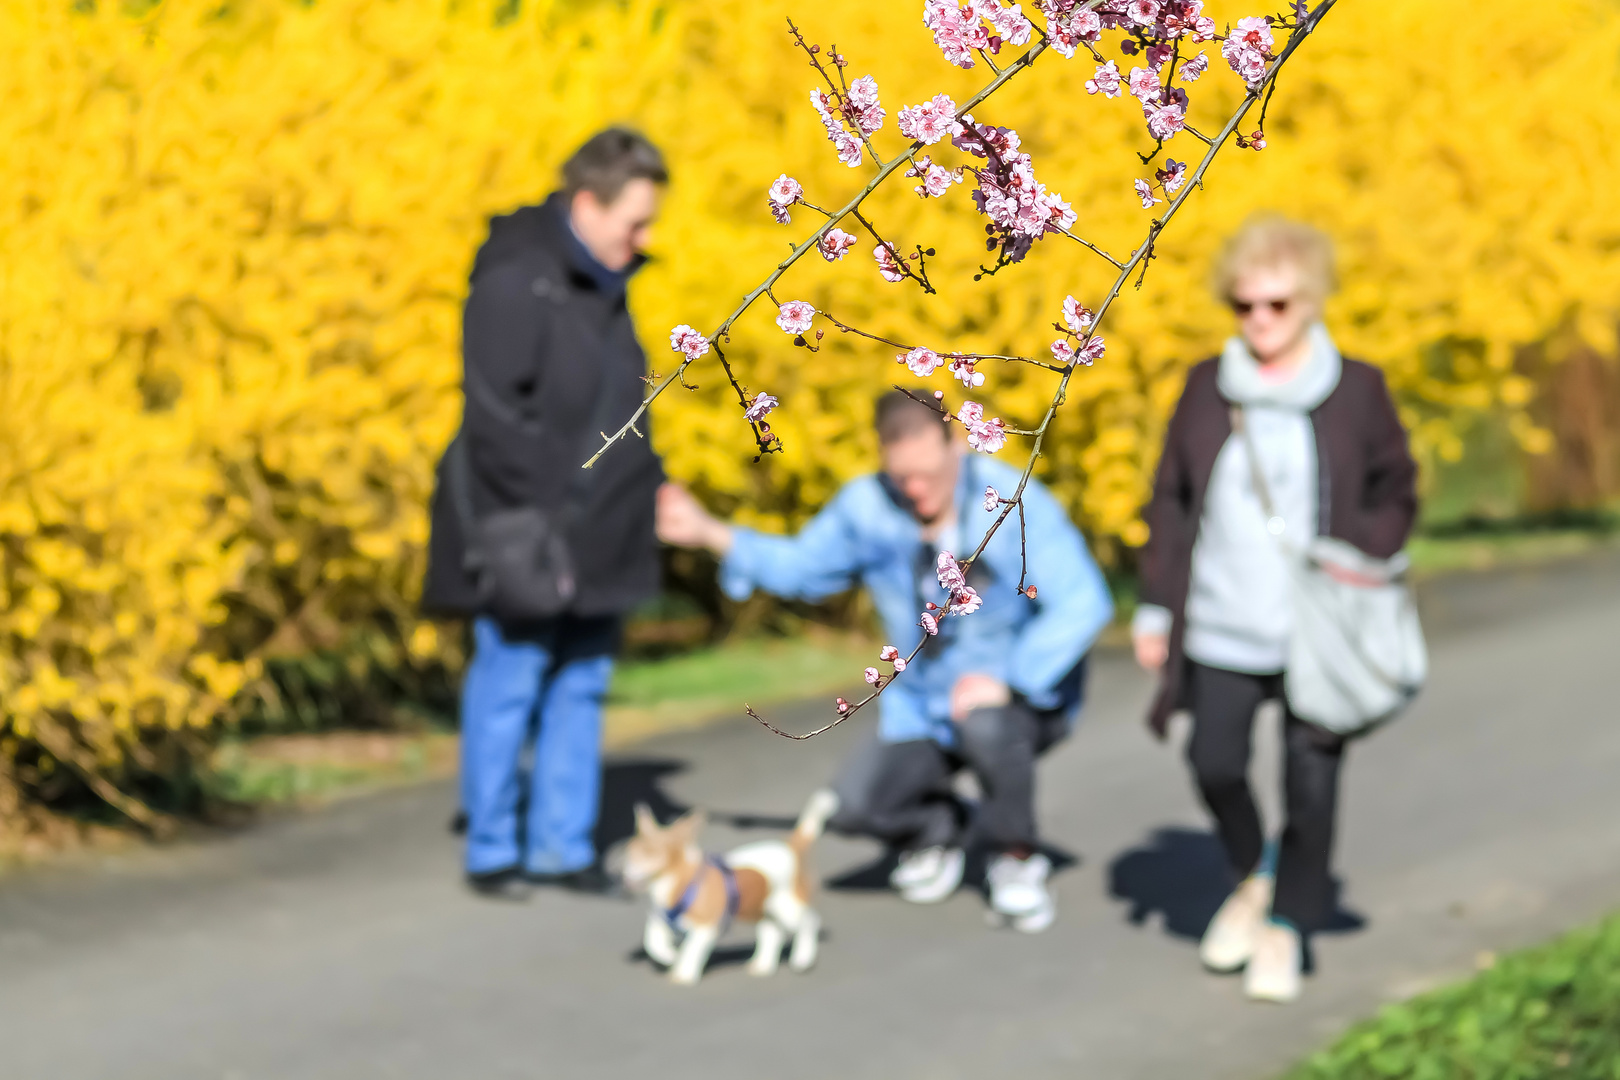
{"points": [[750, 670], [1548, 1013], [1485, 549]]}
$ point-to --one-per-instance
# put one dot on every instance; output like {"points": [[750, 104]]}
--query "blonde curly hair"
{"points": [[1269, 240]]}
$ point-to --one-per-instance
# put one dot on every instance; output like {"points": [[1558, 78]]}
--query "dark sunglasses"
{"points": [[1243, 307]]}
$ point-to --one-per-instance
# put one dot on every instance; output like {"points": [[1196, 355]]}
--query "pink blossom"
{"points": [[1159, 55], [921, 362], [863, 92], [1144, 191], [1165, 120], [848, 148], [1090, 352], [899, 664], [962, 368], [1194, 69], [992, 499], [1143, 12], [1258, 140], [931, 121], [1144, 84], [872, 676], [760, 407], [1076, 315], [795, 316], [957, 31], [1203, 28], [1065, 33], [887, 265], [937, 180], [785, 191], [1010, 24], [684, 339], [843, 706], [1063, 352], [928, 623], [834, 243], [949, 572], [1105, 81], [1247, 47], [986, 436], [823, 106], [966, 601], [888, 652], [1173, 175]]}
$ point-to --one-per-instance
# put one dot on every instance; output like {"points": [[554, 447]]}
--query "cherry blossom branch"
{"points": [[809, 243], [1302, 29], [948, 355]]}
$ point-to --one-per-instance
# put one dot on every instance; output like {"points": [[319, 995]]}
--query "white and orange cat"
{"points": [[695, 896]]}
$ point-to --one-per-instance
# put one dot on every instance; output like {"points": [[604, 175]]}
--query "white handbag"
{"points": [[1357, 656]]}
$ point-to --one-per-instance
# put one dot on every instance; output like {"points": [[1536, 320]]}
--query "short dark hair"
{"points": [[898, 415], [609, 160]]}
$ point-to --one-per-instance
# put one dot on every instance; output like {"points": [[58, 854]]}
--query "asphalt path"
{"points": [[340, 944]]}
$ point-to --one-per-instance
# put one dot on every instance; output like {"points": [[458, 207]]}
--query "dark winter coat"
{"points": [[545, 325], [1366, 491]]}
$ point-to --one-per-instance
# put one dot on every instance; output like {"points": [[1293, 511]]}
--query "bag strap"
{"points": [[1240, 424]]}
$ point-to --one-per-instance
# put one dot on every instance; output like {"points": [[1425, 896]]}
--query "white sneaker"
{"points": [[930, 888], [1274, 969], [1230, 939], [916, 867], [1018, 892]]}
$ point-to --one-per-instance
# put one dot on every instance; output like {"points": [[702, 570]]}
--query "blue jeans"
{"points": [[555, 672]]}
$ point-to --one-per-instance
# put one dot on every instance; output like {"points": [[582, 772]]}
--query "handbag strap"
{"points": [[1240, 424]]}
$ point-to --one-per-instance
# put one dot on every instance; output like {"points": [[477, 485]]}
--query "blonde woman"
{"points": [[1216, 613]]}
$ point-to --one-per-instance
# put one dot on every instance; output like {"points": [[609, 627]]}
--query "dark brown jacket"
{"points": [[1366, 491]]}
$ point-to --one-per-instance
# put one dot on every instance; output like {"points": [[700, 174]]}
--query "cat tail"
{"points": [[823, 804]]}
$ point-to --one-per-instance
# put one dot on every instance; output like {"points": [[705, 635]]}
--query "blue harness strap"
{"points": [[733, 898]]}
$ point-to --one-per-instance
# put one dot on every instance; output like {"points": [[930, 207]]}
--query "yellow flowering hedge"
{"points": [[233, 245]]}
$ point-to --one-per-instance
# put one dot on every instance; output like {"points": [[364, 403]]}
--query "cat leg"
{"points": [[768, 941], [806, 940], [694, 954], [658, 940]]}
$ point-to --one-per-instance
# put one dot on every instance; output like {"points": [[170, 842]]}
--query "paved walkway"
{"points": [[340, 945]]}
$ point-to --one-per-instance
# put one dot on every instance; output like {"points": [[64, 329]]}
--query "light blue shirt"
{"points": [[865, 537]]}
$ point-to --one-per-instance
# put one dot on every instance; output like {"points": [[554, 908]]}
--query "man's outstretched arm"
{"points": [[818, 562]]}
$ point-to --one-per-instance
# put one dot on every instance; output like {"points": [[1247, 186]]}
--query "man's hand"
{"points": [[683, 522], [977, 692], [1152, 650]]}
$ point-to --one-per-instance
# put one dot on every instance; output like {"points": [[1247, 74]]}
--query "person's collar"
{"points": [[1239, 378], [582, 260]]}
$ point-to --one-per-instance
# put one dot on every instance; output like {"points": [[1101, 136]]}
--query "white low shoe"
{"points": [[1274, 970], [932, 874], [1018, 892], [1230, 940]]}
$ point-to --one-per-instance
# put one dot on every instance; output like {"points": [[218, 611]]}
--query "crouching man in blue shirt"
{"points": [[990, 692]]}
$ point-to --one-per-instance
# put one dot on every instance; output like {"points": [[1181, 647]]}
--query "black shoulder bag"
{"points": [[518, 557]]}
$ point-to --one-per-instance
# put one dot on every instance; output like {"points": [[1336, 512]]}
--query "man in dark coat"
{"points": [[551, 359]]}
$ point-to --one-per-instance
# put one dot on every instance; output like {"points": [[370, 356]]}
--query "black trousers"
{"points": [[1223, 708], [900, 793]]}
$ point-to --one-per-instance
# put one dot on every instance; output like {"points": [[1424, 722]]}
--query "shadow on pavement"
{"points": [[627, 781], [1181, 874]]}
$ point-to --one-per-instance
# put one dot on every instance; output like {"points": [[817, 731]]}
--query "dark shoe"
{"points": [[591, 880], [508, 884]]}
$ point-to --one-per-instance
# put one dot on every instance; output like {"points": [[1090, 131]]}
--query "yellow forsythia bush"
{"points": [[234, 240]]}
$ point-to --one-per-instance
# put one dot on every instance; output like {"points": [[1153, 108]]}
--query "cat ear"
{"points": [[646, 824]]}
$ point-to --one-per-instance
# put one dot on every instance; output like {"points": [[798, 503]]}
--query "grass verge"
{"points": [[647, 697], [1548, 1013]]}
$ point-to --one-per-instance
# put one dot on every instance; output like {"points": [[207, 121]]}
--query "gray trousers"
{"points": [[900, 793]]}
